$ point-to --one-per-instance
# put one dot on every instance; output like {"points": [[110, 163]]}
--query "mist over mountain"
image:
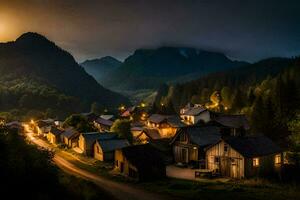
{"points": [[99, 68], [33, 66], [149, 68]]}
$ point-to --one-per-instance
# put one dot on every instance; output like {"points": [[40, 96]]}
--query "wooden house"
{"points": [[140, 162], [44, 126], [146, 135], [188, 144], [16, 125], [243, 157], [136, 130], [193, 114], [69, 137], [87, 140], [103, 124], [167, 125], [104, 149], [54, 135]]}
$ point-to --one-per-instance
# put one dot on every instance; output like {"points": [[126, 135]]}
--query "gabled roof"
{"points": [[194, 111], [91, 137], [70, 132], [56, 131], [14, 123], [172, 120], [46, 122], [233, 121], [137, 128], [201, 136], [90, 116], [175, 122], [112, 144], [151, 133], [253, 146], [143, 156], [107, 117], [157, 118], [104, 122]]}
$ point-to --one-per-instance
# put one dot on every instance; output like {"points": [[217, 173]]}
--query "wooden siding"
{"points": [[102, 156], [124, 166], [81, 143], [228, 163]]}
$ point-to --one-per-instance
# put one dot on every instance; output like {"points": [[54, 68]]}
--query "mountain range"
{"points": [[99, 68], [34, 68], [149, 68]]}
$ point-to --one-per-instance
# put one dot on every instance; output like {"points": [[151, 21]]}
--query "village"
{"points": [[196, 144]]}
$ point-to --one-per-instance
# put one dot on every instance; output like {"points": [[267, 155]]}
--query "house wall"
{"points": [[166, 131], [52, 138], [184, 151], [71, 143], [81, 143], [124, 166], [228, 163], [267, 166], [98, 153], [101, 127], [142, 138]]}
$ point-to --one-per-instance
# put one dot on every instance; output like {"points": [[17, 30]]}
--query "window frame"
{"points": [[255, 162]]}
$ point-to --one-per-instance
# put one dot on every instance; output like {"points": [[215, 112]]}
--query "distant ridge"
{"points": [[149, 68]]}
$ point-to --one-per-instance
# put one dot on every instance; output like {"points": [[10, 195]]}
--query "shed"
{"points": [[140, 162]]}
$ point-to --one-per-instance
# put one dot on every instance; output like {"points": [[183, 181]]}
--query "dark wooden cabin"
{"points": [[244, 157], [140, 162]]}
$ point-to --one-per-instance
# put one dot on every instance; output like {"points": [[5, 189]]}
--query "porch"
{"points": [[189, 174]]}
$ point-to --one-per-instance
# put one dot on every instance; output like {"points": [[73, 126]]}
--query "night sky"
{"points": [[245, 30]]}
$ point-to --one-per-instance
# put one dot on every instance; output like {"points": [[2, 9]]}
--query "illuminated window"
{"points": [[277, 159], [255, 162]]}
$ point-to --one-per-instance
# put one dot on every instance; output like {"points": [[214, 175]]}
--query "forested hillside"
{"points": [[267, 92], [39, 77], [148, 68]]}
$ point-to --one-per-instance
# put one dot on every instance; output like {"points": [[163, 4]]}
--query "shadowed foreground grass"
{"points": [[210, 190]]}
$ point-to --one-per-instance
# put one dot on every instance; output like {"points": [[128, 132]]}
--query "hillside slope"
{"points": [[34, 60], [148, 68], [99, 68]]}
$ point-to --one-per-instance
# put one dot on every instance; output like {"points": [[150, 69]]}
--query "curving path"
{"points": [[118, 190]]}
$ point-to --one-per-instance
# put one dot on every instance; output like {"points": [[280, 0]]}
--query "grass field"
{"points": [[234, 190]]}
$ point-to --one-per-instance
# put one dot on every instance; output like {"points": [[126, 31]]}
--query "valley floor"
{"points": [[170, 188]]}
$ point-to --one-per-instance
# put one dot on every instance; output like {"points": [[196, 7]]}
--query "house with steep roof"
{"points": [[87, 140], [146, 135], [140, 162], [69, 137], [244, 157], [54, 135], [104, 149], [44, 126], [103, 124], [15, 125], [193, 114], [189, 142], [167, 125]]}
